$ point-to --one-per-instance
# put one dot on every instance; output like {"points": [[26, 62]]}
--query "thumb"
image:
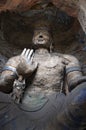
{"points": [[34, 66]]}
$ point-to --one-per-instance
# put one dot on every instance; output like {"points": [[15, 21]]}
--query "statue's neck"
{"points": [[42, 51]]}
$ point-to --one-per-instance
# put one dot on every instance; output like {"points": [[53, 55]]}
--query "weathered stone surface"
{"points": [[82, 14], [69, 6]]}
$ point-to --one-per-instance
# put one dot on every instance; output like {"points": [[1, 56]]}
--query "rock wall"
{"points": [[69, 6], [82, 14]]}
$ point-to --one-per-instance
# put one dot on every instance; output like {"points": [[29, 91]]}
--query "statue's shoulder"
{"points": [[65, 57], [70, 57]]}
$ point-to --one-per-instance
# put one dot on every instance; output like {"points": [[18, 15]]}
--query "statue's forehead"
{"points": [[42, 32]]}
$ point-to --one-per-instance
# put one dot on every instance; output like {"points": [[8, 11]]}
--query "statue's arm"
{"points": [[6, 81], [73, 72], [18, 65], [9, 74]]}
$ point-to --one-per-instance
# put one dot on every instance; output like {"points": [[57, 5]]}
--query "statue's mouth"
{"points": [[40, 41]]}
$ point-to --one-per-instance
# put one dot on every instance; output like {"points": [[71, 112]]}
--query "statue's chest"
{"points": [[49, 66], [50, 71]]}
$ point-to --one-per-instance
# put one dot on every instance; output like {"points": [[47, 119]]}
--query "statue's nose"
{"points": [[40, 36]]}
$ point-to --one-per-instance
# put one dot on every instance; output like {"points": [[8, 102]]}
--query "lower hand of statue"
{"points": [[26, 65]]}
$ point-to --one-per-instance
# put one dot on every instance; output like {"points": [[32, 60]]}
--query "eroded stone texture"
{"points": [[82, 14], [69, 6]]}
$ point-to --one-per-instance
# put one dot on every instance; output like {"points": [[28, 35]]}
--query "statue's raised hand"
{"points": [[22, 64], [26, 65]]}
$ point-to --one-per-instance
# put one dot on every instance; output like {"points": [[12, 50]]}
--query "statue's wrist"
{"points": [[74, 82], [14, 62], [11, 69]]}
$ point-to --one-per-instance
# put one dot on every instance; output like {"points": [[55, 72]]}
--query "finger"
{"points": [[23, 52], [31, 60], [30, 54], [27, 53]]}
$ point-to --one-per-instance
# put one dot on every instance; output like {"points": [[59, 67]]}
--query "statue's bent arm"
{"points": [[6, 81], [18, 65], [9, 74], [73, 72]]}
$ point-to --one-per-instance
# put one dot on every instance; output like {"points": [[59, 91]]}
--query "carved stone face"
{"points": [[42, 38]]}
